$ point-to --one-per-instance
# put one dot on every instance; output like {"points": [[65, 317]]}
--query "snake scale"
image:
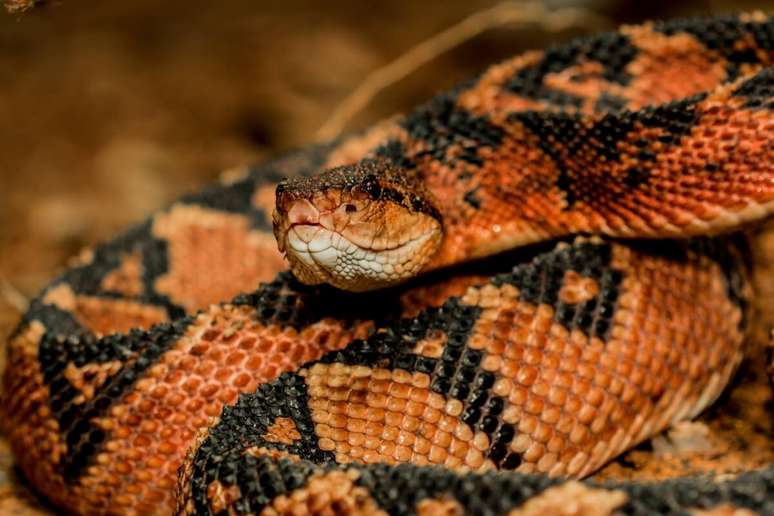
{"points": [[132, 387]]}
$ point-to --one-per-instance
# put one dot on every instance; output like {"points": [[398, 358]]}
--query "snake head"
{"points": [[358, 227]]}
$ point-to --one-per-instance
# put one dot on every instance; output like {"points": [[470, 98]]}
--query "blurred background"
{"points": [[110, 109]]}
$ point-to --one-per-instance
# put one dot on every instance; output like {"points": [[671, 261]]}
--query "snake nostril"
{"points": [[350, 208]]}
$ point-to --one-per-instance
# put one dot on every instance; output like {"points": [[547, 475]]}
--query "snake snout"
{"points": [[303, 212]]}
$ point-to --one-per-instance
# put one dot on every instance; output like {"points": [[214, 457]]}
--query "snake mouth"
{"points": [[320, 255]]}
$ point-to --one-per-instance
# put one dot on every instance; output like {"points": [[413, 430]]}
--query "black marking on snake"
{"points": [[399, 489], [725, 35], [443, 125], [237, 197], [758, 90], [540, 282], [455, 374], [602, 138], [222, 456], [677, 118], [472, 199], [636, 176], [136, 350], [609, 103], [287, 302], [87, 279], [283, 301], [233, 198], [395, 151], [613, 51]]}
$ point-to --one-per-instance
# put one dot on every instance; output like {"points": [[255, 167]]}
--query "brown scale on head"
{"points": [[357, 227]]}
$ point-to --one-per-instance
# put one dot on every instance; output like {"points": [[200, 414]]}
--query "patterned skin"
{"points": [[119, 397]]}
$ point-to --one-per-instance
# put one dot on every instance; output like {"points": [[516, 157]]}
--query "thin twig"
{"points": [[506, 13], [13, 297]]}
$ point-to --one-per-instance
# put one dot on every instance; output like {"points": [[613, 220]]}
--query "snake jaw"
{"points": [[318, 254]]}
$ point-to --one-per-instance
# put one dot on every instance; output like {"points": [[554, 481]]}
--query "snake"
{"points": [[489, 298]]}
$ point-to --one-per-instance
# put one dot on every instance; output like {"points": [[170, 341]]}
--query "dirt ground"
{"points": [[111, 109]]}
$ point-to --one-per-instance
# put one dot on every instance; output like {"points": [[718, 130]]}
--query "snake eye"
{"points": [[350, 208]]}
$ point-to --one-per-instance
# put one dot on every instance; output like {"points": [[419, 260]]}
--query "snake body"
{"points": [[125, 392]]}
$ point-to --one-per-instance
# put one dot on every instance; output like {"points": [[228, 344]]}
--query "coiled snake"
{"points": [[120, 396]]}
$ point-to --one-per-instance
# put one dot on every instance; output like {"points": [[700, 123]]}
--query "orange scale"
{"points": [[595, 396], [416, 409], [403, 454], [340, 405], [356, 425], [254, 362], [579, 434], [227, 396], [215, 354], [396, 404], [356, 439], [356, 453], [359, 386], [430, 414], [410, 423], [526, 375], [235, 358], [213, 409], [406, 438], [372, 457], [587, 414], [399, 390], [442, 438], [557, 444], [191, 385], [149, 426], [154, 496], [386, 448], [241, 381], [378, 387], [527, 424], [534, 405], [339, 434], [209, 390], [265, 345], [629, 393], [277, 359], [247, 343], [222, 375], [341, 396], [374, 408], [356, 410], [336, 420], [390, 433], [510, 369], [427, 430], [422, 445], [437, 455], [371, 443], [200, 348]]}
